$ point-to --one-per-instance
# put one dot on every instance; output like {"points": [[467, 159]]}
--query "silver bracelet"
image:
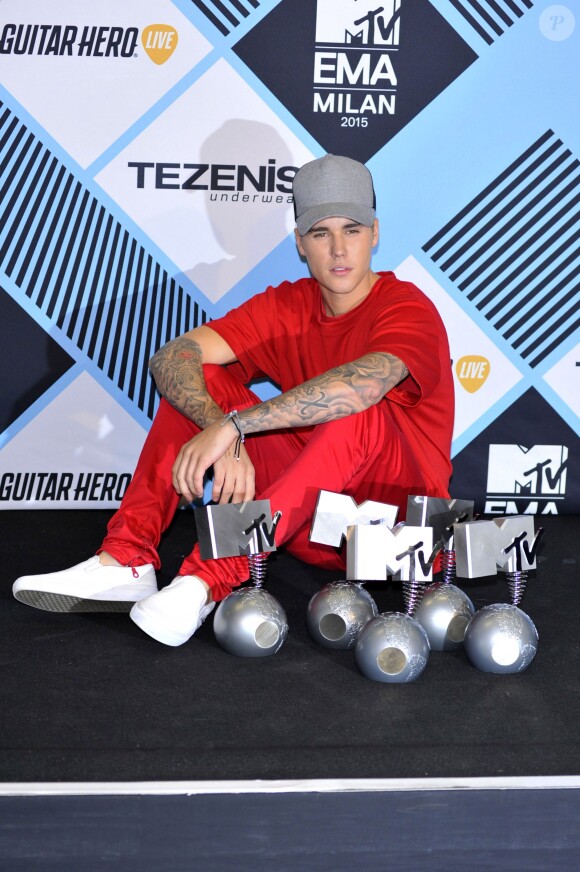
{"points": [[234, 417]]}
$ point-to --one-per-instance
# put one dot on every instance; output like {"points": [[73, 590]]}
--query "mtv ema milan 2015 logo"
{"points": [[355, 72]]}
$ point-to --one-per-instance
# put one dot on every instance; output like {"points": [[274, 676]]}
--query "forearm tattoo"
{"points": [[178, 372], [344, 390]]}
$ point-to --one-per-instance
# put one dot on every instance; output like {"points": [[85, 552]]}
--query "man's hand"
{"points": [[234, 480]]}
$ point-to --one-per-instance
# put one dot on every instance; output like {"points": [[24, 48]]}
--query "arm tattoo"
{"points": [[178, 373], [344, 390]]}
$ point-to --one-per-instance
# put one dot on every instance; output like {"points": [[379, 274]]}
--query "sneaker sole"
{"points": [[160, 632], [157, 631], [60, 602]]}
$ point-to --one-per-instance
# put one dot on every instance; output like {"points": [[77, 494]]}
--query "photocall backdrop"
{"points": [[147, 153]]}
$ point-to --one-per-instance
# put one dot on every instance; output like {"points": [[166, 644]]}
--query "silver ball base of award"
{"points": [[444, 613], [501, 638], [338, 612], [392, 648], [250, 622]]}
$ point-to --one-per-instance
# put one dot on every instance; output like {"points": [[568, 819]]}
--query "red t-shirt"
{"points": [[284, 334]]}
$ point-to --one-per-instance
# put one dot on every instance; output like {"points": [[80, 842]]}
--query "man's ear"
{"points": [[299, 245], [375, 231]]}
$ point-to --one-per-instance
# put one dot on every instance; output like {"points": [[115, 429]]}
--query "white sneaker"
{"points": [[87, 587], [174, 613]]}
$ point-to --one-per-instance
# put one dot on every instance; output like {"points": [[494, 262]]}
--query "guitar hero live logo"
{"points": [[355, 72]]}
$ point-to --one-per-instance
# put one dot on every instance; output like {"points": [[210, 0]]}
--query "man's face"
{"points": [[338, 251]]}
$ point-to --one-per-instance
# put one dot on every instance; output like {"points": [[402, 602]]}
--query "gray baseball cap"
{"points": [[333, 186]]}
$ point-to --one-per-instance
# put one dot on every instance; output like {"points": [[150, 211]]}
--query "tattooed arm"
{"points": [[178, 372], [343, 390]]}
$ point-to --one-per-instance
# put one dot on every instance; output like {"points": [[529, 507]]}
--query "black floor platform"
{"points": [[431, 831], [91, 698]]}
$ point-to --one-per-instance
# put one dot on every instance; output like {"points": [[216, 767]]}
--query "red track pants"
{"points": [[364, 455]]}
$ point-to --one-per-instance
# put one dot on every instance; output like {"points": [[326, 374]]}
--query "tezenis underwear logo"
{"points": [[266, 182], [355, 72]]}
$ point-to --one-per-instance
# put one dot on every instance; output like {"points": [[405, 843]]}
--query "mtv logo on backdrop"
{"points": [[361, 69], [524, 480], [353, 70], [365, 23]]}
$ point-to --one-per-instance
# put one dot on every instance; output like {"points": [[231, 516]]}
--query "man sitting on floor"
{"points": [[365, 409]]}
